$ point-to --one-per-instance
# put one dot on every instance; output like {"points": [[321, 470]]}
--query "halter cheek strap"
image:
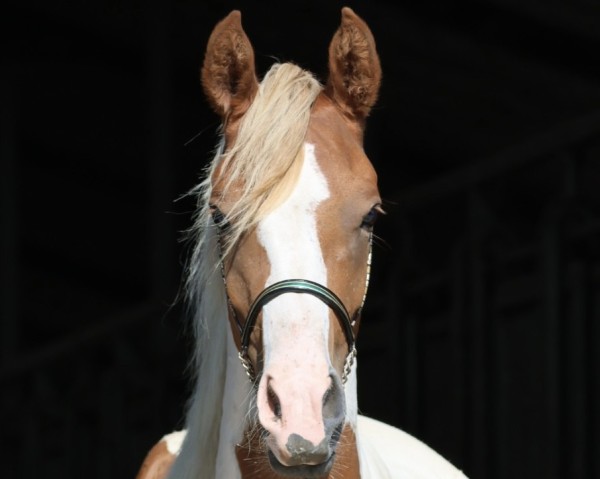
{"points": [[291, 286]]}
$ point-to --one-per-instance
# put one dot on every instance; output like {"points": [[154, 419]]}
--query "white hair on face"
{"points": [[290, 238]]}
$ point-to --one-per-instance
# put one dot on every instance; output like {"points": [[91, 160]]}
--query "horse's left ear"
{"points": [[228, 73], [354, 69]]}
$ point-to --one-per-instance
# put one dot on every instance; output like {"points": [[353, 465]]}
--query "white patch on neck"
{"points": [[174, 441], [350, 392], [236, 399], [291, 241]]}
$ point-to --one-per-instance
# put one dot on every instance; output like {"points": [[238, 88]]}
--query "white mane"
{"points": [[260, 169]]}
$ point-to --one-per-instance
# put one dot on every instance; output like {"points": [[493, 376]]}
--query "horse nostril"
{"points": [[334, 403], [328, 394], [273, 400]]}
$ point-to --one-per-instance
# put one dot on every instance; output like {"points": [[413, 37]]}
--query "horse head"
{"points": [[294, 199]]}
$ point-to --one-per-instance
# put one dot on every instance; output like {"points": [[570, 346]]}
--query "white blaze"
{"points": [[290, 238]]}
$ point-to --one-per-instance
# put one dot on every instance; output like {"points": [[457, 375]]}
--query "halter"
{"points": [[304, 286]]}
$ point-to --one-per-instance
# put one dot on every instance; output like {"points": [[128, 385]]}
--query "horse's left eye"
{"points": [[370, 218]]}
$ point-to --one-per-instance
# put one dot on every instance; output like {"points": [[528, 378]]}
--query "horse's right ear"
{"points": [[228, 73]]}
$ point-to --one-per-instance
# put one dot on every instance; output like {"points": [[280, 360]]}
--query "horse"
{"points": [[279, 273]]}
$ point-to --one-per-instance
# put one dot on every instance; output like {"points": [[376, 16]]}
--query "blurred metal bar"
{"points": [[594, 377], [160, 152], [540, 147], [457, 335], [551, 277], [576, 376], [9, 228], [70, 344], [412, 371], [479, 342], [392, 338]]}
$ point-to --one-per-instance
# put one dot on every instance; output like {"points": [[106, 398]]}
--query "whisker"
{"points": [[381, 243], [200, 133]]}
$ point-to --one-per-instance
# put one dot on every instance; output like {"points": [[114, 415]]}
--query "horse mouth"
{"points": [[303, 470]]}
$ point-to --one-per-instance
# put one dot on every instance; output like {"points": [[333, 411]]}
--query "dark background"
{"points": [[482, 327]]}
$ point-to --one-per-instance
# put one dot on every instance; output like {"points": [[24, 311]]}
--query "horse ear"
{"points": [[354, 69], [228, 73]]}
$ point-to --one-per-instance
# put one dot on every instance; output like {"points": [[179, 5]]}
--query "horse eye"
{"points": [[370, 218], [219, 219]]}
